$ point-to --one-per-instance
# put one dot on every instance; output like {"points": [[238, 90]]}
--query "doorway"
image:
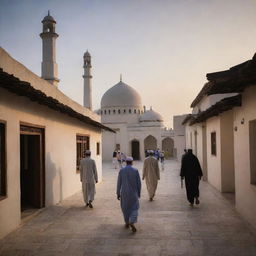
{"points": [[136, 149], [32, 173]]}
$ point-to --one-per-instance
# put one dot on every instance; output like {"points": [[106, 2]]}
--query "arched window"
{"points": [[134, 111], [105, 112], [124, 111], [109, 111], [130, 111], [114, 111], [119, 111]]}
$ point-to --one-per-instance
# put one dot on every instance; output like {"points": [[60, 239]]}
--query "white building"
{"points": [[137, 129], [43, 135], [226, 130]]}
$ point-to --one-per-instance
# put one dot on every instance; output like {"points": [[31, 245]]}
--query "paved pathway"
{"points": [[167, 226]]}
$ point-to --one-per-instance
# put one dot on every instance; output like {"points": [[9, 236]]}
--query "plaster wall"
{"points": [[208, 101], [214, 161], [245, 192], [227, 152], [62, 179]]}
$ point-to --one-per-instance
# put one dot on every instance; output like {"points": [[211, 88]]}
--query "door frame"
{"points": [[30, 129]]}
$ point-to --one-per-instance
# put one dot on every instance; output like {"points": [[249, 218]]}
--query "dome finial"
{"points": [[48, 12], [120, 77]]}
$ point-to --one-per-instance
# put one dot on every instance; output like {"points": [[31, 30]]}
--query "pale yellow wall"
{"points": [[245, 192], [62, 180], [214, 162]]}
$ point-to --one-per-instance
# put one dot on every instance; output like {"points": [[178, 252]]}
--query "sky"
{"points": [[162, 48]]}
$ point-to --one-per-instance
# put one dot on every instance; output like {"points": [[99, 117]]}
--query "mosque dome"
{"points": [[151, 116], [121, 95]]}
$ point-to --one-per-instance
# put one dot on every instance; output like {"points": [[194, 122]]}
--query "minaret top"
{"points": [[48, 18], [48, 26], [121, 78], [87, 60], [87, 54]]}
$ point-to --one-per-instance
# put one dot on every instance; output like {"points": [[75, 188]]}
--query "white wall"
{"points": [[245, 192], [214, 162], [62, 180], [208, 101]]}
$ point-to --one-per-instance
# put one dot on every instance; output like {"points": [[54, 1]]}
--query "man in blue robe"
{"points": [[128, 190]]}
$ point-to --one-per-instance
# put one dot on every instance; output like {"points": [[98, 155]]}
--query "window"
{"points": [[130, 111], [252, 140], [213, 143], [134, 111], [105, 112], [2, 162], [109, 111], [124, 111], [98, 148], [119, 111], [82, 144], [114, 111]]}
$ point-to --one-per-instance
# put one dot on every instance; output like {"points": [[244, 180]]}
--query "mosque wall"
{"points": [[244, 150], [61, 177]]}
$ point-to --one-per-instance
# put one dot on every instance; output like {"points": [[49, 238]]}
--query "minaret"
{"points": [[49, 65], [87, 81]]}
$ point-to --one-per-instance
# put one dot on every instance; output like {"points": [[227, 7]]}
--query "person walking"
{"points": [[114, 161], [88, 177], [128, 191], [192, 172], [151, 174]]}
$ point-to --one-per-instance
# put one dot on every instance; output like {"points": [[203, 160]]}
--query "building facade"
{"points": [[228, 141], [43, 135]]}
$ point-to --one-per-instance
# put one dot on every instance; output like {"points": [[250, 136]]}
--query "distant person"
{"points": [[162, 156], [115, 163], [123, 158], [162, 159], [151, 174], [119, 159], [88, 177], [128, 190], [157, 154], [192, 172], [185, 152]]}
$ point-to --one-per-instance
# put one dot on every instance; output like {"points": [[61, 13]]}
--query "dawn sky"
{"points": [[163, 48]]}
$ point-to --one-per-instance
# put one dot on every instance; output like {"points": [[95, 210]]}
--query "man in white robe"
{"points": [[151, 174], [88, 177]]}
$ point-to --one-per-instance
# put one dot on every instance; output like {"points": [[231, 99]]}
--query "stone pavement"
{"points": [[166, 226]]}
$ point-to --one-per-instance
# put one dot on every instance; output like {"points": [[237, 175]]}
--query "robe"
{"points": [[128, 189], [191, 170], [151, 174], [88, 177]]}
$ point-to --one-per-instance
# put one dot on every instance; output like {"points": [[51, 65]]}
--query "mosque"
{"points": [[137, 129]]}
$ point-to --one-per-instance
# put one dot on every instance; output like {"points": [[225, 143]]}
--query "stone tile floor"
{"points": [[166, 226]]}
